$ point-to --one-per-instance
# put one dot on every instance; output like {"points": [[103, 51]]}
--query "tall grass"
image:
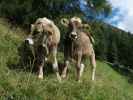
{"points": [[20, 84]]}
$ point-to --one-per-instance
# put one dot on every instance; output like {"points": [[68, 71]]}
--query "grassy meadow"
{"points": [[21, 84]]}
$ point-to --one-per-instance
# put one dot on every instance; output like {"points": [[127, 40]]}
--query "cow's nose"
{"points": [[29, 41], [74, 35]]}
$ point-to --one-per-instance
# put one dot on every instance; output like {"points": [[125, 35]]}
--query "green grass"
{"points": [[23, 85]]}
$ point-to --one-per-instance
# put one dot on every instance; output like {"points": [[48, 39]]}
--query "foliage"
{"points": [[101, 5], [24, 12], [112, 44]]}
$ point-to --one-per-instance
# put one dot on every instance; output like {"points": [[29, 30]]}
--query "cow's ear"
{"points": [[86, 26], [50, 25], [32, 28], [65, 22], [78, 24]]}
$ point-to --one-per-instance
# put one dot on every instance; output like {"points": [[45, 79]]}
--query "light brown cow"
{"points": [[77, 44], [45, 37]]}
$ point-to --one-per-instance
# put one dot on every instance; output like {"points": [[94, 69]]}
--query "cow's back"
{"points": [[56, 34]]}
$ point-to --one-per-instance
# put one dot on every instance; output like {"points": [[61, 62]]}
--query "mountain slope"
{"points": [[18, 84]]}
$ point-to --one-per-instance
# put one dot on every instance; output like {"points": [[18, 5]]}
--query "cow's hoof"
{"points": [[92, 78], [59, 79], [40, 77], [63, 76], [78, 80]]}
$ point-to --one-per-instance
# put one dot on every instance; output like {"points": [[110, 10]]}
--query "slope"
{"points": [[17, 84]]}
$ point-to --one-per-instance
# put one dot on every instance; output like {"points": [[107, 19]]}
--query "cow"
{"points": [[44, 38], [77, 45]]}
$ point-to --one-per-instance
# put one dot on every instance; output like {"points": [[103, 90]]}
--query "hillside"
{"points": [[20, 84]]}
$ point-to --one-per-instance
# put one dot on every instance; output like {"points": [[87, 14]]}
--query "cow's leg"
{"points": [[93, 63], [64, 72], [81, 69], [55, 63], [40, 61], [40, 75], [78, 66], [67, 53]]}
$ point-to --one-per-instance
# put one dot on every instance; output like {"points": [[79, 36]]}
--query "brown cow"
{"points": [[77, 44], [45, 37]]}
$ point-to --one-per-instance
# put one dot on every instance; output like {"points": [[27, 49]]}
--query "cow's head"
{"points": [[40, 30], [73, 24], [42, 25]]}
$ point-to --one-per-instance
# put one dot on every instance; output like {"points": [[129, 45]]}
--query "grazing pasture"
{"points": [[18, 82]]}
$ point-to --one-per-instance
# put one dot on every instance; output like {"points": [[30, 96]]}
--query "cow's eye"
{"points": [[76, 23], [39, 23], [50, 26]]}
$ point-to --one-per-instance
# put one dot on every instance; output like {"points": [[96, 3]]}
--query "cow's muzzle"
{"points": [[73, 35], [29, 41]]}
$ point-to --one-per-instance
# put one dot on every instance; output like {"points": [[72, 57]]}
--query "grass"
{"points": [[24, 85]]}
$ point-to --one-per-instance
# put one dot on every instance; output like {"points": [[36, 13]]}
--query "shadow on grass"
{"points": [[27, 62], [128, 73]]}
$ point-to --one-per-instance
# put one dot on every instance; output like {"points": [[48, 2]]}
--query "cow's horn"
{"points": [[64, 22]]}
